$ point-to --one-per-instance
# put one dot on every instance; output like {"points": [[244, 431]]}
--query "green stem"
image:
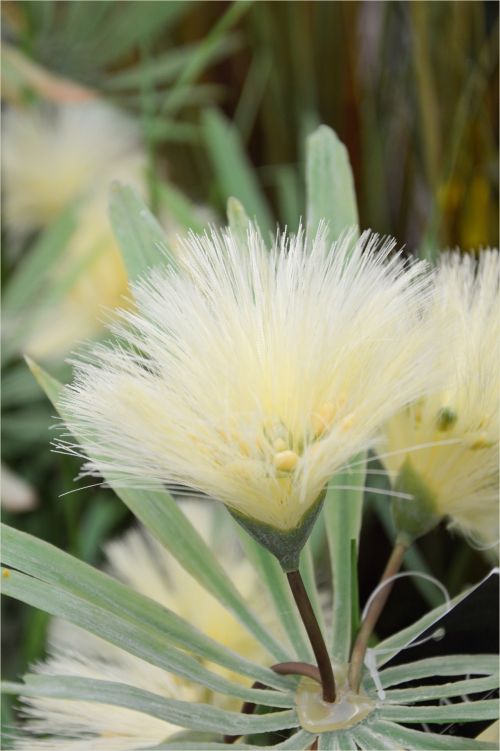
{"points": [[314, 633], [374, 611]]}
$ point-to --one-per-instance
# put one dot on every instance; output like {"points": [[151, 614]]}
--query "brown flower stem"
{"points": [[314, 633], [374, 611]]}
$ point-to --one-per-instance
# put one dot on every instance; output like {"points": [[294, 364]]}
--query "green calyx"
{"points": [[414, 516], [286, 545]]}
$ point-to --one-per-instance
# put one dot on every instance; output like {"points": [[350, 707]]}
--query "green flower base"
{"points": [[286, 545]]}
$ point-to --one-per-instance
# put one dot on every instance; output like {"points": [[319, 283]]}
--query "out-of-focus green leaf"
{"points": [[330, 186], [165, 67], [97, 522], [290, 200], [25, 282], [180, 208], [205, 50], [140, 237], [234, 173]]}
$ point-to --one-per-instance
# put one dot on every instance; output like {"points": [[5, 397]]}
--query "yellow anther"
{"points": [[323, 418], [5, 573], [285, 461], [280, 445], [347, 422], [478, 441]]}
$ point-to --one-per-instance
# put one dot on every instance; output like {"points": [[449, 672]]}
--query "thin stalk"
{"points": [[374, 611], [314, 633]]}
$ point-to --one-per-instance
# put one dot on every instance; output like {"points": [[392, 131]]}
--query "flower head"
{"points": [[142, 563], [54, 155], [451, 435], [250, 375], [57, 156]]}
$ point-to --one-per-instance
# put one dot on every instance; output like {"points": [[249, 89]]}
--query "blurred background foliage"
{"points": [[222, 96]]}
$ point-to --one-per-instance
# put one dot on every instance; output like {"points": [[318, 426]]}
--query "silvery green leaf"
{"points": [[469, 711], [416, 740], [141, 239], [126, 634], [53, 566], [185, 714], [342, 510], [441, 690], [331, 194], [444, 665]]}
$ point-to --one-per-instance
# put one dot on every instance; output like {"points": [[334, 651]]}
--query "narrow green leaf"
{"points": [[185, 714], [446, 665], [205, 746], [161, 515], [165, 67], [205, 50], [416, 740], [330, 742], [180, 208], [140, 237], [368, 739], [330, 188], [125, 633], [233, 171], [342, 511], [53, 566], [30, 273], [468, 711], [442, 690]]}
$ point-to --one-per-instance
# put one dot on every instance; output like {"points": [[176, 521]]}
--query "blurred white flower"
{"points": [[253, 375], [54, 155], [17, 495], [458, 426], [142, 563]]}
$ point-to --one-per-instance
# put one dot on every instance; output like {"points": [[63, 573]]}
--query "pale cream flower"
{"points": [[451, 436], [54, 155], [141, 562], [251, 375]]}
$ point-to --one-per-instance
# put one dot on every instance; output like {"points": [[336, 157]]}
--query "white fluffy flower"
{"points": [[142, 563], [57, 156], [458, 426], [51, 156], [251, 375]]}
